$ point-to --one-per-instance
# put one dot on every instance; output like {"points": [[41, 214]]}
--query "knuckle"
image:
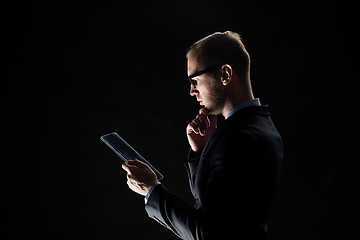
{"points": [[203, 111], [195, 122], [200, 116]]}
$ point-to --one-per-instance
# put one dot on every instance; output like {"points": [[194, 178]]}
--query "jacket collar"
{"points": [[237, 116]]}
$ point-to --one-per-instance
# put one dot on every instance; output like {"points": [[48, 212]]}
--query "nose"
{"points": [[193, 90]]}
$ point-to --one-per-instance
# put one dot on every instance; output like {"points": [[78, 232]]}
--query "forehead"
{"points": [[192, 63]]}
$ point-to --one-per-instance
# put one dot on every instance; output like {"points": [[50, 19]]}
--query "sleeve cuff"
{"points": [[150, 191], [192, 156]]}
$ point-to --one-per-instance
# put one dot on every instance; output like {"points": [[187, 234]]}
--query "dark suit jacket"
{"points": [[233, 183]]}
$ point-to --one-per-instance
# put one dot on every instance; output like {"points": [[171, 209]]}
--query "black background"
{"points": [[82, 69]]}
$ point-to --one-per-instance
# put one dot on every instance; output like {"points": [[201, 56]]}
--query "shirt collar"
{"points": [[248, 103]]}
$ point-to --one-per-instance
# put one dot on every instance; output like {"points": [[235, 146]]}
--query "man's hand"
{"points": [[199, 130], [140, 177]]}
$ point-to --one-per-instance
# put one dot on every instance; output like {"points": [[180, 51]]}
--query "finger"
{"points": [[130, 177], [192, 128], [130, 162], [204, 119], [204, 111], [125, 166], [200, 130], [137, 163], [202, 122], [198, 125], [212, 120], [131, 181]]}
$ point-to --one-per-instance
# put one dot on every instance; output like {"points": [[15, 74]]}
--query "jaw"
{"points": [[213, 110]]}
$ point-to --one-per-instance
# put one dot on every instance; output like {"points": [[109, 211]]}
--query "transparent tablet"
{"points": [[125, 151]]}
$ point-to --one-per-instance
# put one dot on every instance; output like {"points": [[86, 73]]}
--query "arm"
{"points": [[162, 205], [174, 214], [140, 178], [222, 201], [236, 186], [184, 221]]}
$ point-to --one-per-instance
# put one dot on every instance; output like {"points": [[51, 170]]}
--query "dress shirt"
{"points": [[248, 103]]}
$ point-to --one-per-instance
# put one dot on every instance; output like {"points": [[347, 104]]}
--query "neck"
{"points": [[235, 98]]}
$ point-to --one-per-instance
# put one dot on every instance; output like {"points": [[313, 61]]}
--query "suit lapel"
{"points": [[211, 138], [237, 116]]}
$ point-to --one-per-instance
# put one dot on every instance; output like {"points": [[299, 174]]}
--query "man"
{"points": [[234, 168]]}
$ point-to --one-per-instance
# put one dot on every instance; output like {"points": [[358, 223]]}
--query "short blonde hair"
{"points": [[222, 48]]}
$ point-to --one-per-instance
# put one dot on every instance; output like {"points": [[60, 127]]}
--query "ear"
{"points": [[226, 74]]}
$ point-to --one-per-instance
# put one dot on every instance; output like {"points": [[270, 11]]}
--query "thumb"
{"points": [[125, 166], [136, 163]]}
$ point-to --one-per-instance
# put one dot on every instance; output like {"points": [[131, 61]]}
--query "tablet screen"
{"points": [[125, 151]]}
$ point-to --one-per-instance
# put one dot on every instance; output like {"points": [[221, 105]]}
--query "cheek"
{"points": [[205, 94], [202, 90]]}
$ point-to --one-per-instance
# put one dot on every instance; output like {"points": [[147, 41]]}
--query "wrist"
{"points": [[150, 191]]}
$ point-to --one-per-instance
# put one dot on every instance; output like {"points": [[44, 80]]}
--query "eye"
{"points": [[193, 82]]}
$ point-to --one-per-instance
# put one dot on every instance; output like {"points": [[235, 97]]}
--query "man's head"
{"points": [[219, 68]]}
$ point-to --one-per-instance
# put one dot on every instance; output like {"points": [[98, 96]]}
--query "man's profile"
{"points": [[233, 168]]}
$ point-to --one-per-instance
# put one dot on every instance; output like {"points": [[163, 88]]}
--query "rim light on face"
{"points": [[201, 72]]}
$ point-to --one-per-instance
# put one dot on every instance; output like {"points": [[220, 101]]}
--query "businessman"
{"points": [[233, 168]]}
